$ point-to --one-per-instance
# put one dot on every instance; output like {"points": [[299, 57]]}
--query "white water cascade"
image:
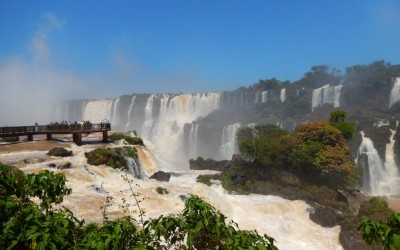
{"points": [[379, 178], [130, 115], [326, 95], [395, 92], [116, 104], [283, 95], [148, 118], [264, 96], [227, 148], [167, 133], [287, 221], [97, 110], [193, 141]]}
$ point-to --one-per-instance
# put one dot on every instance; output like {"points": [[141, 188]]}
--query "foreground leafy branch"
{"points": [[28, 225], [387, 235]]}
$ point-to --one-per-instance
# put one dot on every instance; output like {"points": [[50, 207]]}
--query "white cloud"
{"points": [[39, 47], [29, 88]]}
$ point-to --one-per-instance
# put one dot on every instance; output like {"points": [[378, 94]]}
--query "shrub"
{"points": [[59, 152], [9, 139], [112, 157], [25, 225], [205, 179], [129, 139], [161, 190]]}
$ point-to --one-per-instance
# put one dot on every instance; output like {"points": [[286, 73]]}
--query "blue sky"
{"points": [[98, 49]]}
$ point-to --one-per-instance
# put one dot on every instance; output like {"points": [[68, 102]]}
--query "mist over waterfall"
{"points": [[380, 177], [326, 94], [158, 118], [97, 110]]}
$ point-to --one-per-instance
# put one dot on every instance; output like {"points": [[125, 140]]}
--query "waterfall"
{"points": [[264, 96], [134, 168], [97, 110], [228, 140], [326, 95], [130, 115], [115, 118], [395, 92], [392, 173], [167, 134], [148, 117], [193, 141], [379, 178], [283, 95]]}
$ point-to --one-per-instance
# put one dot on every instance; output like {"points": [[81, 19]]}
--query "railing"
{"points": [[55, 128]]}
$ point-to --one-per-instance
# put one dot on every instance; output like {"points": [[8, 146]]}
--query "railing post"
{"points": [[105, 136], [77, 137]]}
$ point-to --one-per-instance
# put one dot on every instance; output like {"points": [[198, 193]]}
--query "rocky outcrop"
{"points": [[59, 152], [210, 164], [326, 216], [161, 176]]}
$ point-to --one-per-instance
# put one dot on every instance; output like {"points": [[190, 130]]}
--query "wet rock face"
{"points": [[325, 216], [354, 241], [290, 179], [161, 176], [380, 136]]}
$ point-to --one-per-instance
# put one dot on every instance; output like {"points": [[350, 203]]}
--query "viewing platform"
{"points": [[75, 129]]}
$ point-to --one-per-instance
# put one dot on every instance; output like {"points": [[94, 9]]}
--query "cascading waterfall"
{"points": [[379, 178], [97, 110], [134, 168], [395, 92], [392, 173], [264, 96], [283, 95], [130, 115], [148, 118], [167, 134], [115, 118], [227, 148], [193, 141], [326, 95]]}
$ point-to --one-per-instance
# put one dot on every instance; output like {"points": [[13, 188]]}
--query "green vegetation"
{"points": [[261, 144], [9, 139], [161, 190], [112, 157], [384, 234], [315, 151], [205, 179], [337, 119], [375, 231], [129, 139], [28, 225]]}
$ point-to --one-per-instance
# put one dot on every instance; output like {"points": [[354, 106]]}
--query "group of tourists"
{"points": [[70, 123]]}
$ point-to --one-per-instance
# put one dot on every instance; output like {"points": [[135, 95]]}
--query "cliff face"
{"points": [[185, 126]]}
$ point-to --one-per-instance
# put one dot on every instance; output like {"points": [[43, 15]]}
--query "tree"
{"points": [[337, 119], [261, 143]]}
